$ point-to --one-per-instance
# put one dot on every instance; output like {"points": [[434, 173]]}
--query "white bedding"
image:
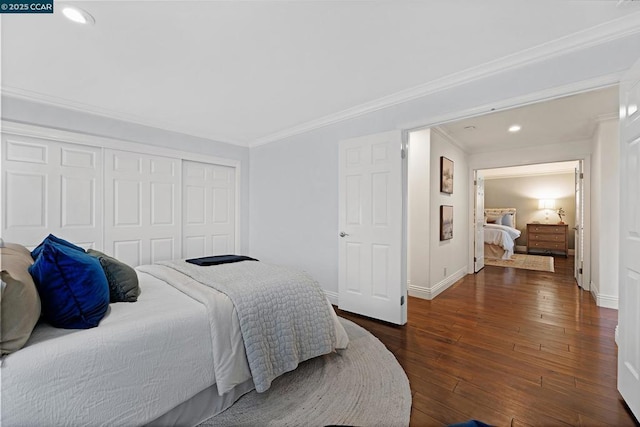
{"points": [[230, 360], [144, 359], [502, 236]]}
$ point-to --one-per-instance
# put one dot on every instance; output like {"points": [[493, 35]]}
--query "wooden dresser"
{"points": [[548, 238]]}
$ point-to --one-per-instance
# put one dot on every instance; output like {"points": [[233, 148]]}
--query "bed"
{"points": [[176, 356], [500, 232]]}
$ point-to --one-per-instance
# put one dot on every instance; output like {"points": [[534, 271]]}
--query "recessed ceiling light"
{"points": [[515, 128], [78, 15]]}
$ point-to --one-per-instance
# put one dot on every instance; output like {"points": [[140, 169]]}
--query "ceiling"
{"points": [[571, 118], [249, 71]]}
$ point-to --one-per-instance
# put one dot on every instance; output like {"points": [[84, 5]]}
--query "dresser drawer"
{"points": [[546, 229], [546, 237], [553, 246]]}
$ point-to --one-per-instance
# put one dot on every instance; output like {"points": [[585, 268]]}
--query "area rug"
{"points": [[362, 385], [527, 262]]}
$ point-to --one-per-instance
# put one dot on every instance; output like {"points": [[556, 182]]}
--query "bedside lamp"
{"points": [[546, 204]]}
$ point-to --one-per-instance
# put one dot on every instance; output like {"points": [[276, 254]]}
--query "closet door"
{"points": [[208, 209], [51, 187], [142, 207]]}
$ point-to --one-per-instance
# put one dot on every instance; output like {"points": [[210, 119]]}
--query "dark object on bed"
{"points": [[72, 286], [122, 279], [220, 259]]}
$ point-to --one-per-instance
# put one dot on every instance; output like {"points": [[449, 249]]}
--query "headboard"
{"points": [[501, 211]]}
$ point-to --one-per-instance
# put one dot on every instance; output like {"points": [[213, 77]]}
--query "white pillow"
{"points": [[507, 220]]}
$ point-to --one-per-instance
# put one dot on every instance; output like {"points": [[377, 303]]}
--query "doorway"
{"points": [[558, 130], [548, 193]]}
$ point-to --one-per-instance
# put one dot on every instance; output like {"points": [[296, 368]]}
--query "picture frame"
{"points": [[446, 175], [446, 222]]}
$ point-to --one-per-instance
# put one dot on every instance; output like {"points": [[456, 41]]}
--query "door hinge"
{"points": [[403, 153], [581, 175], [580, 270], [475, 182], [475, 259], [402, 300]]}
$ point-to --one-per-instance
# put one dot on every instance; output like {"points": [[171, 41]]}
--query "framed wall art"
{"points": [[446, 222], [446, 175]]}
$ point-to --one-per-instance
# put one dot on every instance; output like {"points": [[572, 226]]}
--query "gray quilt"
{"points": [[284, 316]]}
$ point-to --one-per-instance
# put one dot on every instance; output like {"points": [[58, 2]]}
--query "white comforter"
{"points": [[502, 236], [143, 360]]}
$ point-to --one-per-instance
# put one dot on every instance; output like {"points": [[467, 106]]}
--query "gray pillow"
{"points": [[122, 279], [507, 220], [19, 299]]}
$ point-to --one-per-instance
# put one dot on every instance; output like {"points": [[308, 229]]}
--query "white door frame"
{"points": [[540, 157], [548, 157], [478, 228], [578, 239]]}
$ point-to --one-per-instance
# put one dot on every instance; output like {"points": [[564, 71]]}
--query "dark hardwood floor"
{"points": [[510, 348]]}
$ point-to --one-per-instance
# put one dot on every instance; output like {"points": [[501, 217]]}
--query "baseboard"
{"points": [[419, 292], [606, 301], [438, 288], [332, 297]]}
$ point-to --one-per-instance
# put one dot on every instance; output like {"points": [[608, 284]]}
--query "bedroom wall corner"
{"points": [[448, 259]]}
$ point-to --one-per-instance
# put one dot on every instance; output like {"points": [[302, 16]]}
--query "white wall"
{"points": [[448, 257], [419, 213], [294, 181], [22, 111], [605, 215]]}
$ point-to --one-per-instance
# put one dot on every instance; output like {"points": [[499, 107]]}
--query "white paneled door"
{"points": [[478, 258], [209, 225], [629, 292], [51, 187], [142, 207], [370, 227]]}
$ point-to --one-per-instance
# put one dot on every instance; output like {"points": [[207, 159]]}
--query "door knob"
{"points": [[343, 234]]}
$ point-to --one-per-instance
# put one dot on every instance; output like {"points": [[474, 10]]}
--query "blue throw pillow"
{"points": [[72, 286], [53, 239]]}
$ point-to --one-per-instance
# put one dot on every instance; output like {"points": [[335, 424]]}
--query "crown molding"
{"points": [[603, 33], [54, 101], [29, 130], [446, 135], [520, 101], [607, 117]]}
